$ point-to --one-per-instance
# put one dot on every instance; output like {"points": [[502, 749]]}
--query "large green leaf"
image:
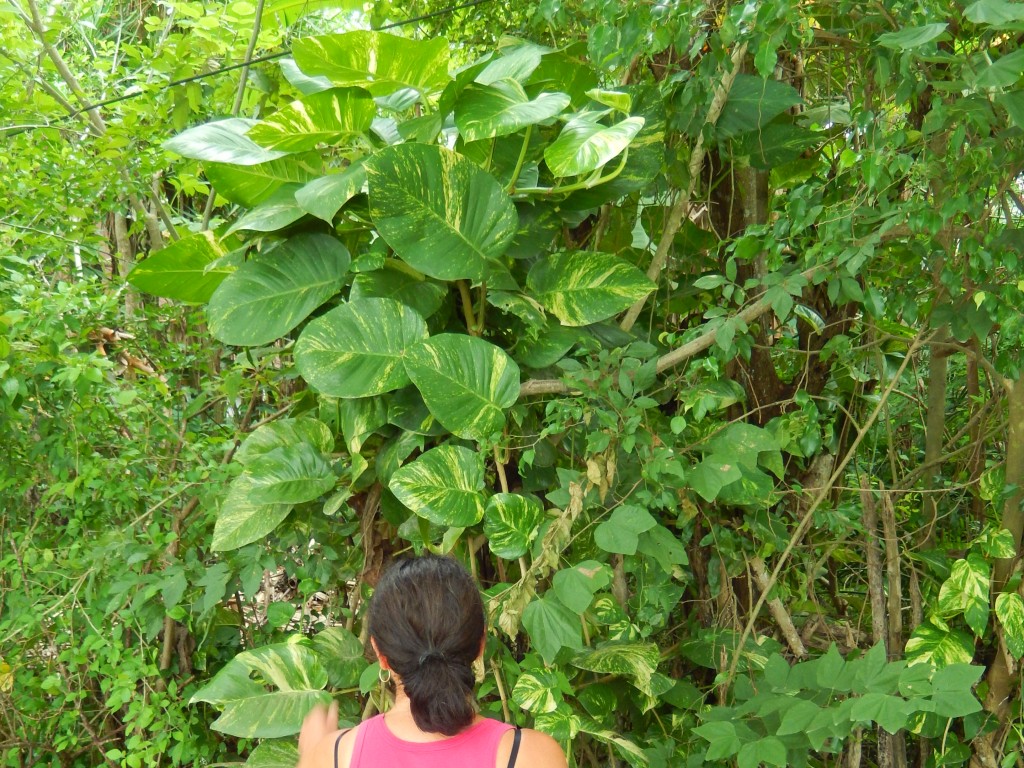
{"points": [[276, 212], [443, 486], [575, 587], [342, 655], [636, 661], [282, 433], [912, 37], [486, 111], [268, 296], [248, 710], [516, 63], [442, 214], [250, 185], [752, 102], [379, 62], [967, 590], [356, 350], [222, 141], [273, 754], [935, 643], [466, 382], [551, 627], [510, 524], [182, 271], [538, 690], [583, 287], [423, 295], [620, 533], [584, 145], [1010, 612], [325, 196], [291, 474], [327, 117], [241, 521], [712, 474], [359, 418]]}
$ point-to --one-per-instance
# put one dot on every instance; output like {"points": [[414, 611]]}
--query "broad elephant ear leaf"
{"points": [[241, 520], [443, 486], [379, 62], [271, 294], [248, 709], [442, 214], [466, 382], [584, 287], [357, 349]]}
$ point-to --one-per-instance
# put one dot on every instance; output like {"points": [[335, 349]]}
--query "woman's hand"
{"points": [[320, 722]]}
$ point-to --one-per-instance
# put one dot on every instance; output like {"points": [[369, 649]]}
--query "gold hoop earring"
{"points": [[384, 675]]}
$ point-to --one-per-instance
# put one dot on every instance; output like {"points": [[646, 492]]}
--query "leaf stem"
{"points": [[467, 308], [519, 163]]}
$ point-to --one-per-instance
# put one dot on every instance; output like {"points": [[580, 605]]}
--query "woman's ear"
{"points": [[380, 657]]}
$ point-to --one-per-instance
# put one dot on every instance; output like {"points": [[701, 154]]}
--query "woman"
{"points": [[426, 623]]}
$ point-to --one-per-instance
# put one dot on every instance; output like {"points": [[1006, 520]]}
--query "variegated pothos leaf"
{"points": [[584, 287], [443, 486]]}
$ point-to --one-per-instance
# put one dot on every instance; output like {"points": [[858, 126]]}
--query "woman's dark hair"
{"points": [[427, 619]]}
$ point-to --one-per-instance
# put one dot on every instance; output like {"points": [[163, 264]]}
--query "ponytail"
{"points": [[427, 619]]}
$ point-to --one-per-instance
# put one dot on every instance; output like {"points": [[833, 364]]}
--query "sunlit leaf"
{"points": [[486, 111], [584, 145], [510, 524], [291, 474], [327, 117], [379, 62], [325, 196], [222, 141], [241, 520]]}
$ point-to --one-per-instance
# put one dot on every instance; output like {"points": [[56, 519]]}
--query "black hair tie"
{"points": [[432, 655]]}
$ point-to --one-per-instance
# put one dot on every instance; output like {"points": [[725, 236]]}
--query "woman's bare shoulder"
{"points": [[536, 750]]}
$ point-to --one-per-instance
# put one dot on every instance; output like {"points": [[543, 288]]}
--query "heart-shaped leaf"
{"points": [[583, 287], [425, 296], [443, 214], [584, 145], [443, 486], [241, 521], [510, 524], [551, 627], [325, 196], [486, 111], [356, 350], [271, 294], [282, 433], [289, 475], [466, 383]]}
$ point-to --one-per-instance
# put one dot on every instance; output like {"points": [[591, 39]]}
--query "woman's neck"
{"points": [[400, 722]]}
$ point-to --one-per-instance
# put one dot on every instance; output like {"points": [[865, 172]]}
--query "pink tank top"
{"points": [[475, 747]]}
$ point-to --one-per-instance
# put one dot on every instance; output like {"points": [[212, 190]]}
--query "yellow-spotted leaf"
{"points": [[248, 710], [185, 270], [328, 117], [291, 474], [241, 521], [282, 433], [274, 754], [441, 213], [357, 349], [466, 382], [540, 690], [325, 196], [510, 524], [342, 655], [379, 62], [486, 111], [584, 145], [635, 661], [6, 677], [250, 185], [274, 292], [584, 287], [276, 212], [444, 486]]}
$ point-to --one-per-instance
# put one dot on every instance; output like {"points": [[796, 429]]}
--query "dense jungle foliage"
{"points": [[694, 328]]}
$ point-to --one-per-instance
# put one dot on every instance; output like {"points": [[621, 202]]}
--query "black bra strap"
{"points": [[515, 748], [337, 743]]}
